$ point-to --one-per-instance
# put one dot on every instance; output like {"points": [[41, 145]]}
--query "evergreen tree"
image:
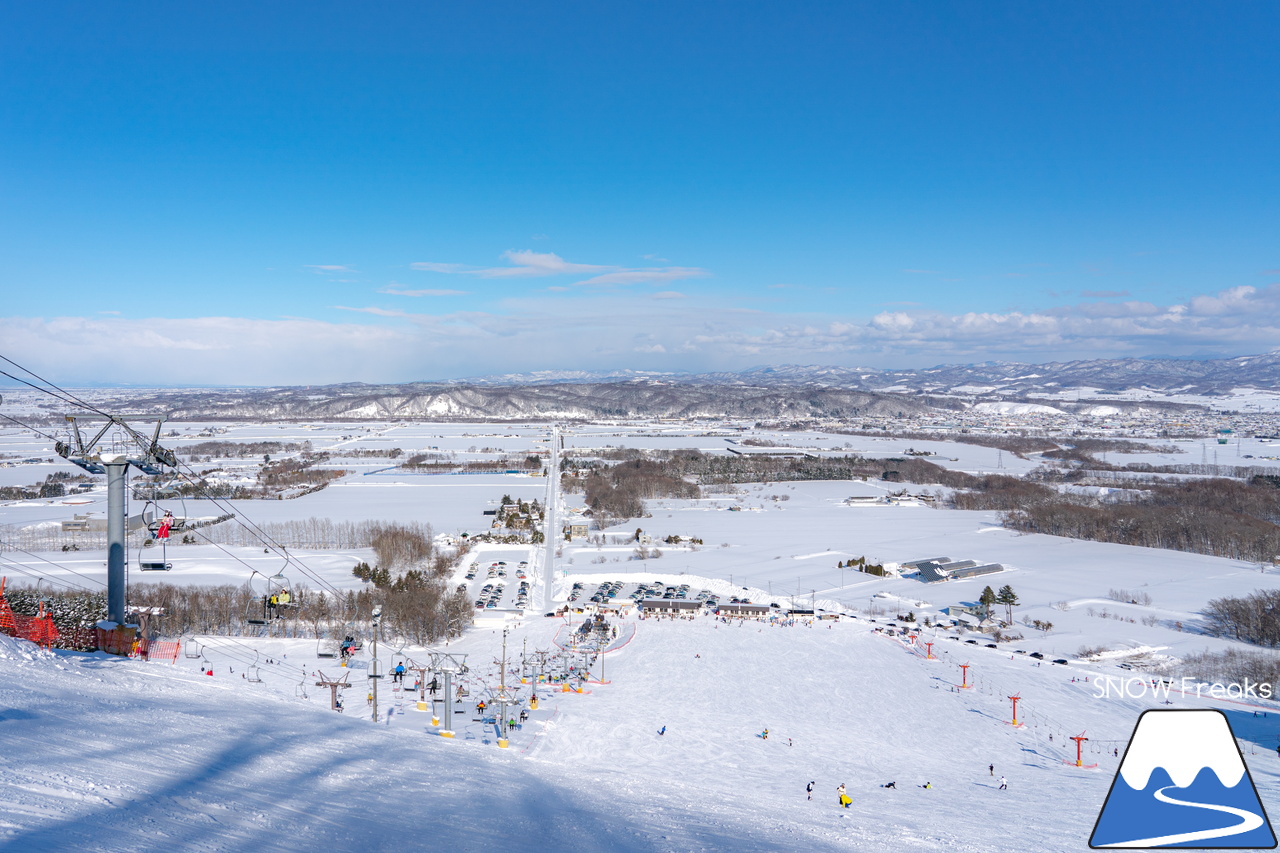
{"points": [[987, 599], [1008, 598]]}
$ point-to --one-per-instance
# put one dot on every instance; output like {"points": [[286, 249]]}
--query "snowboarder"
{"points": [[893, 785], [765, 734], [844, 799], [662, 731], [808, 790], [926, 785], [1004, 784]]}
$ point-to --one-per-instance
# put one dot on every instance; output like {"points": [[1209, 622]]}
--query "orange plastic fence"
{"points": [[164, 650], [38, 629], [7, 625], [120, 641]]}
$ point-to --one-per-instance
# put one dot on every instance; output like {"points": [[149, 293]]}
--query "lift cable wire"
{"points": [[4, 544], [10, 563], [39, 432], [68, 397], [252, 527]]}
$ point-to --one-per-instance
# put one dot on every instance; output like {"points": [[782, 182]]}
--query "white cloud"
{"points": [[669, 294], [380, 312], [620, 329], [396, 290], [645, 276], [529, 264], [427, 266], [327, 269]]}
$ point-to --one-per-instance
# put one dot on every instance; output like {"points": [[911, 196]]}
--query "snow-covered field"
{"points": [[130, 756]]}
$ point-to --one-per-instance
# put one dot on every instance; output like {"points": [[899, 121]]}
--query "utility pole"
{"points": [[148, 457], [375, 670]]}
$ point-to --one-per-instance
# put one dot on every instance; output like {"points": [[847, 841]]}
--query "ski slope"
{"points": [[121, 755]]}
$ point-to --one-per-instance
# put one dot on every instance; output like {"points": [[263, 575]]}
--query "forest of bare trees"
{"points": [[417, 608], [1253, 618], [618, 492]]}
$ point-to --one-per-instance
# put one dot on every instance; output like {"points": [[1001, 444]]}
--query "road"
{"points": [[552, 529]]}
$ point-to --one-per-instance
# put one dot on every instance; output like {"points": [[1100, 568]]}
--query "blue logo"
{"points": [[1183, 783]]}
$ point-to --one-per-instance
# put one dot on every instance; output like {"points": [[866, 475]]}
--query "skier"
{"points": [[991, 770], [765, 734], [844, 799], [926, 785], [399, 673], [808, 790], [662, 731], [893, 785], [1004, 784]]}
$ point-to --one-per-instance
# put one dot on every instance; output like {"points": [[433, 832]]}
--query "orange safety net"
{"points": [[38, 629], [164, 650], [7, 623]]}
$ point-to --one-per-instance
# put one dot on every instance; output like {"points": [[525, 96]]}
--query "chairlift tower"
{"points": [[504, 698], [128, 447], [447, 664]]}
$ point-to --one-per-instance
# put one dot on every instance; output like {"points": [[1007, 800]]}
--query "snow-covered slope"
{"points": [[125, 756]]}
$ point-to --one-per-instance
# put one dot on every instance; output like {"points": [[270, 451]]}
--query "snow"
{"points": [[1005, 408], [129, 756], [122, 755]]}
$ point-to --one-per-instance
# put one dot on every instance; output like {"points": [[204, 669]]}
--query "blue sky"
{"points": [[330, 192]]}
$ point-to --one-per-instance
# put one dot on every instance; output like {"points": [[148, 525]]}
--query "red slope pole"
{"points": [[928, 651], [1015, 708], [964, 675], [1079, 739]]}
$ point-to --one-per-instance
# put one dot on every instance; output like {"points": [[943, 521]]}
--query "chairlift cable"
{"points": [[4, 544], [39, 432], [58, 397], [10, 563], [262, 536], [68, 397]]}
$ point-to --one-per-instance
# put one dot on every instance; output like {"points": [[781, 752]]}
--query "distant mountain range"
{"points": [[1167, 375], [761, 393]]}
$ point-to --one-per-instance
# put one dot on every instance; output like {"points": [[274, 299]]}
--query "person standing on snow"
{"points": [[1004, 784], [808, 789], [991, 770], [844, 799]]}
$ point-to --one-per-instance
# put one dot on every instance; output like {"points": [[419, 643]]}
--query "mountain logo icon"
{"points": [[1183, 783]]}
